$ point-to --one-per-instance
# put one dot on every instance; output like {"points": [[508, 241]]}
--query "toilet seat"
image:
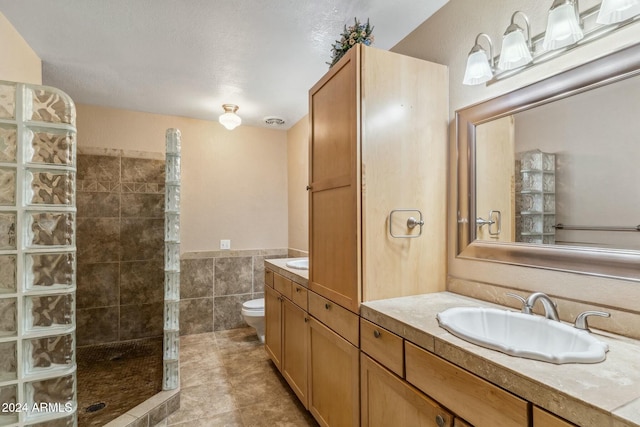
{"points": [[254, 307]]}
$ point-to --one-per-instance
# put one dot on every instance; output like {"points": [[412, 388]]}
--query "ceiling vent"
{"points": [[274, 121]]}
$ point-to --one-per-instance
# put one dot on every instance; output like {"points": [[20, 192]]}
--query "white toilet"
{"points": [[253, 313]]}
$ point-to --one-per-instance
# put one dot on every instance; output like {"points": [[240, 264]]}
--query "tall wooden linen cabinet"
{"points": [[378, 144], [378, 157]]}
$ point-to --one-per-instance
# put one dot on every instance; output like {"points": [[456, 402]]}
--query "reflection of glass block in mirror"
{"points": [[172, 198], [7, 100], [531, 160], [9, 395], [549, 183], [548, 162], [50, 228], [8, 226], [172, 227], [7, 187], [49, 105], [50, 187], [49, 353], [549, 224], [549, 203], [8, 317], [531, 181], [55, 390], [8, 278], [549, 240], [531, 223], [529, 202], [48, 311], [8, 361], [49, 270], [8, 143], [50, 146], [532, 239]]}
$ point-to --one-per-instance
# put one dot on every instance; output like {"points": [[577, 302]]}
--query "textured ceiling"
{"points": [[188, 57]]}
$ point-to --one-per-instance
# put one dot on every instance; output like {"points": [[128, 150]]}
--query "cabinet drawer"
{"points": [[299, 296], [268, 278], [341, 320], [282, 285], [542, 418], [384, 346], [474, 399]]}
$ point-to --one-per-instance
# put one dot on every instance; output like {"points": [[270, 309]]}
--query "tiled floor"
{"points": [[119, 375], [228, 380]]}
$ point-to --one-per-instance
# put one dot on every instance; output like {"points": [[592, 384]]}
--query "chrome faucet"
{"points": [[550, 311]]}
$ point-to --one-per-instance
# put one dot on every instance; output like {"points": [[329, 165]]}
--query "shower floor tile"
{"points": [[120, 376]]}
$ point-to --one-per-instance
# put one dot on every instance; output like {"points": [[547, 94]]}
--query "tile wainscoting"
{"points": [[213, 286]]}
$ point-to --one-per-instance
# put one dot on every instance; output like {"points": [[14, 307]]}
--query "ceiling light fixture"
{"points": [[479, 66], [516, 49], [230, 119], [564, 26], [612, 11]]}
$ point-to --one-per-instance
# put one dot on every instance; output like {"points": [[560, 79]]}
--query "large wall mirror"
{"points": [[549, 175]]}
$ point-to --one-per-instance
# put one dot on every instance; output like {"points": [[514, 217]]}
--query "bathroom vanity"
{"points": [[406, 370]]}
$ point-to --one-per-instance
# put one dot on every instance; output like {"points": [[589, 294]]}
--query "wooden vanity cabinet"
{"points": [[287, 331], [542, 418], [334, 386], [387, 400], [474, 399], [273, 325], [378, 143], [295, 344]]}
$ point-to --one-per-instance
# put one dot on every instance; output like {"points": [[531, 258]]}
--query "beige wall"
{"points": [[18, 63], [234, 183], [446, 38], [298, 172]]}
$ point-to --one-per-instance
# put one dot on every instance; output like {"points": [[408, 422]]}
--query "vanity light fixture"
{"points": [[612, 11], [479, 66], [230, 119], [567, 29], [564, 26], [516, 49]]}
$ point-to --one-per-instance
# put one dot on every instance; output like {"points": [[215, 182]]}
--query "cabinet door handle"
{"points": [[327, 306], [376, 334], [298, 290], [306, 319], [440, 421]]}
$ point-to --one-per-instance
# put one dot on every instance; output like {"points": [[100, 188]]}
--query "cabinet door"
{"points": [[273, 325], [334, 226], [334, 374], [389, 401], [543, 418], [295, 343]]}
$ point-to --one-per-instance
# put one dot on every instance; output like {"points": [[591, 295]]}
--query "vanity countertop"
{"points": [[279, 266], [605, 394]]}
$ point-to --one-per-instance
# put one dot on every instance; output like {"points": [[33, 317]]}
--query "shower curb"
{"points": [[151, 412]]}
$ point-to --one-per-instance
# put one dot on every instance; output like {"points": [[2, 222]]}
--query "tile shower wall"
{"points": [[120, 244], [213, 286]]}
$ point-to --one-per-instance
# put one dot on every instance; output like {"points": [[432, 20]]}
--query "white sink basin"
{"points": [[523, 335], [300, 264]]}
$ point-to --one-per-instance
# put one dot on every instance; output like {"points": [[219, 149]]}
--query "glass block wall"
{"points": [[37, 256], [171, 377]]}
